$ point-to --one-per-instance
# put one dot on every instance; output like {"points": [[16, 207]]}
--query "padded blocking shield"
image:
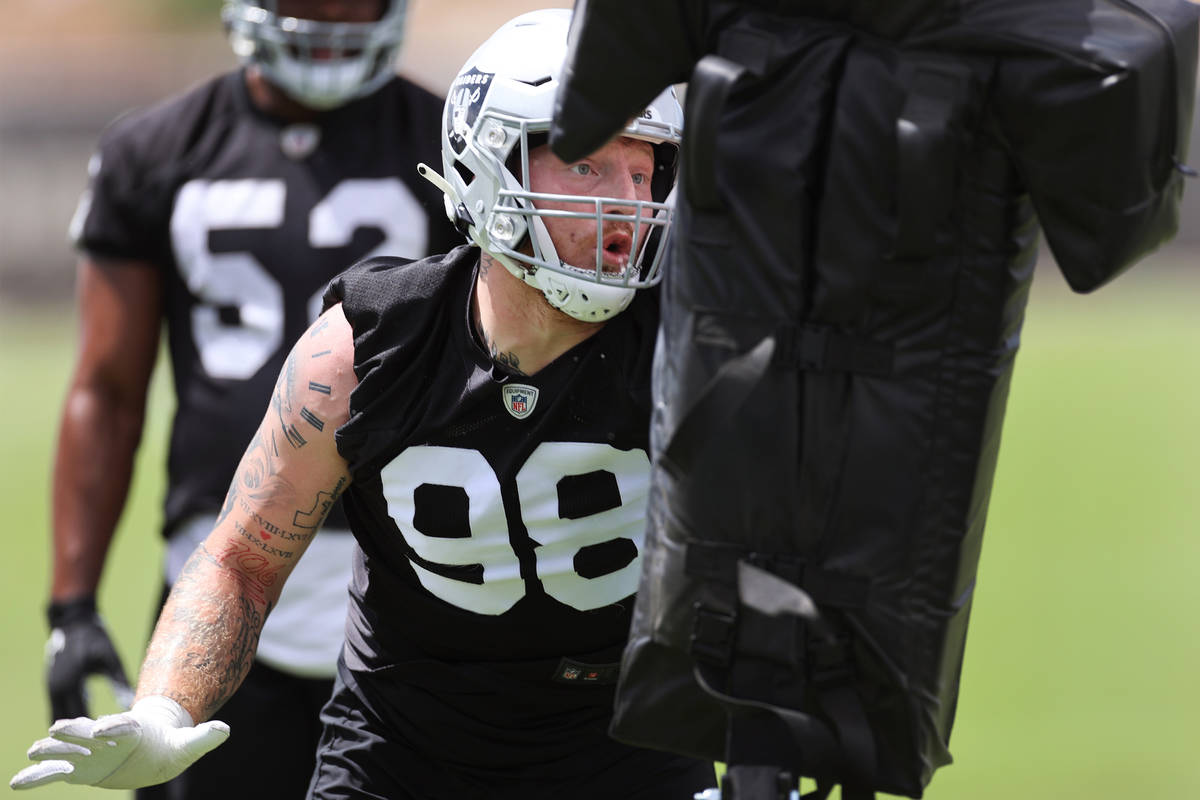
{"points": [[853, 256]]}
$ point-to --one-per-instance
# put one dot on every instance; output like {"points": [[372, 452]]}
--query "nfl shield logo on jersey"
{"points": [[519, 399], [300, 140]]}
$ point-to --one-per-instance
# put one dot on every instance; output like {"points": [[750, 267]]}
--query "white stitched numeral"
{"points": [[238, 323], [582, 503], [616, 483]]}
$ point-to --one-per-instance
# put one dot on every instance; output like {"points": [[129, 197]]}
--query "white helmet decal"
{"points": [[503, 96], [462, 106]]}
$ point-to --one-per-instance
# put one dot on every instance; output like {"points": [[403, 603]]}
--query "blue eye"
{"points": [[641, 179], [581, 169]]}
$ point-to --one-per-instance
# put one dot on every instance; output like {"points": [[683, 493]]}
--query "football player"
{"points": [[224, 212], [484, 415]]}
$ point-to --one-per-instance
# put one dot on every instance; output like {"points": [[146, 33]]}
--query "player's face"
{"points": [[621, 169], [332, 10]]}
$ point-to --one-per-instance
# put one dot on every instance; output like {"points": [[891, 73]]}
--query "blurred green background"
{"points": [[1082, 674], [1083, 655]]}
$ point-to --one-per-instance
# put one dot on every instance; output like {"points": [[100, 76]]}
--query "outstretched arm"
{"points": [[288, 479]]}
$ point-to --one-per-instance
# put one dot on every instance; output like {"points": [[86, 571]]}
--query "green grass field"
{"points": [[1083, 658]]}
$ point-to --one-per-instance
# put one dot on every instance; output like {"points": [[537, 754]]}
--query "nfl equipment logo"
{"points": [[300, 140], [519, 399]]}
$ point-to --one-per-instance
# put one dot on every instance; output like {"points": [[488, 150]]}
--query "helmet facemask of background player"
{"points": [[499, 107], [319, 64]]}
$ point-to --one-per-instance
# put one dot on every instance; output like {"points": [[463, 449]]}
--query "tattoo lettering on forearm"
{"points": [[322, 388], [318, 355], [313, 517], [274, 530], [260, 541]]}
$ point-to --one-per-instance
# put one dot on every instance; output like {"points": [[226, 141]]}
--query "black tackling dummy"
{"points": [[861, 193]]}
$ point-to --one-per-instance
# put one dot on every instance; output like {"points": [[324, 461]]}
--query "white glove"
{"points": [[150, 743]]}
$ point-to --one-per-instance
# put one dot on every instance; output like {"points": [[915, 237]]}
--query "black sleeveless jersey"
{"points": [[499, 517], [249, 219]]}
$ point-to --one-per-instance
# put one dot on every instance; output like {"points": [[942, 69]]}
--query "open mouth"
{"points": [[616, 250]]}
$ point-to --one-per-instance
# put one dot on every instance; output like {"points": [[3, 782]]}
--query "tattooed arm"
{"points": [[288, 479]]}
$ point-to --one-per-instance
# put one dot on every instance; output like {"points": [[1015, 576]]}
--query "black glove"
{"points": [[78, 647]]}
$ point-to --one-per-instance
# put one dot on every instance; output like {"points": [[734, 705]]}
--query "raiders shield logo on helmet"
{"points": [[519, 399], [463, 104]]}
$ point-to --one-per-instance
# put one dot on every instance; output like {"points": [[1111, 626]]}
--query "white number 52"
{"points": [[238, 280]]}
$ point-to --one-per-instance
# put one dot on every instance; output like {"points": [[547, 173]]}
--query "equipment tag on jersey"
{"points": [[300, 140], [577, 673], [519, 399]]}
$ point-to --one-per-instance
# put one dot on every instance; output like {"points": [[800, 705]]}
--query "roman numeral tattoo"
{"points": [[293, 436], [312, 419], [320, 326]]}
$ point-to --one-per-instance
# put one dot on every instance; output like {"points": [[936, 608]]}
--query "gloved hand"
{"points": [[150, 743], [79, 646]]}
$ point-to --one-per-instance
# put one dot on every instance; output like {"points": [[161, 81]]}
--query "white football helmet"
{"points": [[503, 98], [320, 64]]}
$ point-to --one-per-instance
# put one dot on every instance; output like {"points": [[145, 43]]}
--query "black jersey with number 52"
{"points": [[499, 516], [250, 218]]}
